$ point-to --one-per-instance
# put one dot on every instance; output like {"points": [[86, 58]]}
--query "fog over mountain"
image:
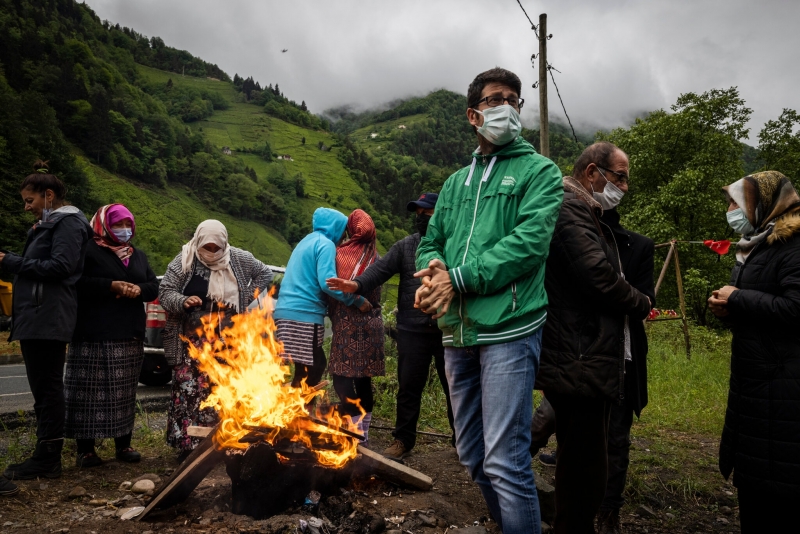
{"points": [[616, 59]]}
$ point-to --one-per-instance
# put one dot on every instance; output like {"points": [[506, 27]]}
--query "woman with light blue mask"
{"points": [[761, 438], [105, 356]]}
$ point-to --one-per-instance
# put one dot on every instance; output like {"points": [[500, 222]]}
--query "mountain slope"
{"points": [[166, 219]]}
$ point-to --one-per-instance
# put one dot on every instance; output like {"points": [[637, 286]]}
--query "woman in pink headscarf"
{"points": [[105, 356]]}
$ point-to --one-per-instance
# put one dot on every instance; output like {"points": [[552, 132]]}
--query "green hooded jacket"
{"points": [[492, 228]]}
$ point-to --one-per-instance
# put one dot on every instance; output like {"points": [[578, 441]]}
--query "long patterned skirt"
{"points": [[357, 343], [100, 388], [190, 387]]}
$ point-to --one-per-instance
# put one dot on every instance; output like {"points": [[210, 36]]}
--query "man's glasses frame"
{"points": [[494, 101], [621, 176]]}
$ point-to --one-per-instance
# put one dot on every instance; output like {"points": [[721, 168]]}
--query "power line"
{"points": [[550, 68], [533, 26]]}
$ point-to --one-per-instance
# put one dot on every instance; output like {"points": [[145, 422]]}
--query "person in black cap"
{"points": [[419, 338]]}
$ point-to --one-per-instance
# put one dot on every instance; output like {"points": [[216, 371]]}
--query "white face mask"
{"points": [[501, 124], [738, 221], [210, 257], [123, 234], [611, 195]]}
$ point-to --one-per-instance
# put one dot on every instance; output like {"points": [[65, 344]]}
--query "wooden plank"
{"points": [[393, 471], [199, 431], [187, 476]]}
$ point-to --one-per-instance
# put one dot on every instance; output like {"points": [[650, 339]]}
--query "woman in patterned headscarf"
{"points": [[357, 344], [208, 276], [106, 353], [761, 437]]}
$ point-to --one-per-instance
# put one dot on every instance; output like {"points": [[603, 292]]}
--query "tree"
{"points": [[779, 145], [679, 163]]}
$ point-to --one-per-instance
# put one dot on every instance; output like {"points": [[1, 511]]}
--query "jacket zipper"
{"points": [[513, 296], [622, 339], [469, 238], [466, 251]]}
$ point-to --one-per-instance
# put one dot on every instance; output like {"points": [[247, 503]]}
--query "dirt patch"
{"points": [[367, 505]]}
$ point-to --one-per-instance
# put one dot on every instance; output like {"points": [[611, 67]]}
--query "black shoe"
{"points": [[128, 455], [7, 488], [87, 459], [548, 460], [45, 462], [608, 522]]}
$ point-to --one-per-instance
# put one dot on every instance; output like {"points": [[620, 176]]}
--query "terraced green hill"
{"points": [[166, 219], [246, 126]]}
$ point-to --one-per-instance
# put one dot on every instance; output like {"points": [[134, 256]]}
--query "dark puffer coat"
{"points": [[583, 338], [761, 438], [45, 297], [103, 316], [400, 259]]}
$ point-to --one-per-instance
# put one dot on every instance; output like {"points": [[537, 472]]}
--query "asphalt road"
{"points": [[15, 394]]}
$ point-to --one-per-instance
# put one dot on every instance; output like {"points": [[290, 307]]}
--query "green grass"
{"points": [[688, 395], [152, 75], [167, 217]]}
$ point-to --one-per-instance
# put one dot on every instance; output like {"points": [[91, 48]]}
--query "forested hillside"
{"points": [[117, 113], [123, 117]]}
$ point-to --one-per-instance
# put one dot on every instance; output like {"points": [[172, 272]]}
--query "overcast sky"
{"points": [[617, 59]]}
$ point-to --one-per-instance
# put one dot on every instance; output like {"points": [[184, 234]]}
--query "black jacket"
{"points": [[401, 258], [636, 253], [583, 338], [761, 437], [101, 315], [45, 300]]}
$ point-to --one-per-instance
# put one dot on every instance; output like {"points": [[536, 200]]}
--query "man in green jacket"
{"points": [[482, 267]]}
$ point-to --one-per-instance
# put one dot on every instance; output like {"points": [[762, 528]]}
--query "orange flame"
{"points": [[249, 389]]}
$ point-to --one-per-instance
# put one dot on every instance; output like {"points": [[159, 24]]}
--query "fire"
{"points": [[249, 390]]}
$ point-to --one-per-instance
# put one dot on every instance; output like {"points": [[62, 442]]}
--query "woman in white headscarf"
{"points": [[208, 276]]}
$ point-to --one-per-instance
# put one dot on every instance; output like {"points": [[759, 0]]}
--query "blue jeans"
{"points": [[490, 389]]}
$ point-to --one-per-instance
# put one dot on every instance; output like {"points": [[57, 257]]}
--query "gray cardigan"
{"points": [[250, 273]]}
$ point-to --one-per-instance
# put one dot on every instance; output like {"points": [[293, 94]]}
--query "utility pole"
{"points": [[544, 125]]}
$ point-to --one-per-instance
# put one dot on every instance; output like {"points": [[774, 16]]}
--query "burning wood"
{"points": [[250, 391], [275, 451]]}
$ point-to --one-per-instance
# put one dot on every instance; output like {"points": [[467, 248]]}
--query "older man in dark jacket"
{"points": [[419, 338], [636, 253], [591, 307]]}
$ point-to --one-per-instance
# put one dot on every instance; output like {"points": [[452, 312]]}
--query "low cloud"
{"points": [[616, 61]]}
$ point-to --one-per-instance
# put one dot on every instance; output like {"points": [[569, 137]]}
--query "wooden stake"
{"points": [[665, 267], [393, 471], [544, 124], [683, 304], [188, 475]]}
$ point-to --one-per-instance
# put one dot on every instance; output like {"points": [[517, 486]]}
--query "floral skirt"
{"points": [[190, 387]]}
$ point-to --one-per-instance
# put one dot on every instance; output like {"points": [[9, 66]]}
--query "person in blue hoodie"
{"points": [[301, 308]]}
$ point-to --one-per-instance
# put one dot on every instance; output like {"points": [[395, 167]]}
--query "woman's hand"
{"points": [[340, 284], [190, 302], [125, 289], [725, 292], [365, 307], [2, 255], [718, 306]]}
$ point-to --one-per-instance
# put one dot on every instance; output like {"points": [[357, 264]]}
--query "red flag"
{"points": [[720, 247]]}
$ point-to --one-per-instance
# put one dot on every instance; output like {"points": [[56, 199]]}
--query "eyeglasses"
{"points": [[621, 176], [494, 101]]}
